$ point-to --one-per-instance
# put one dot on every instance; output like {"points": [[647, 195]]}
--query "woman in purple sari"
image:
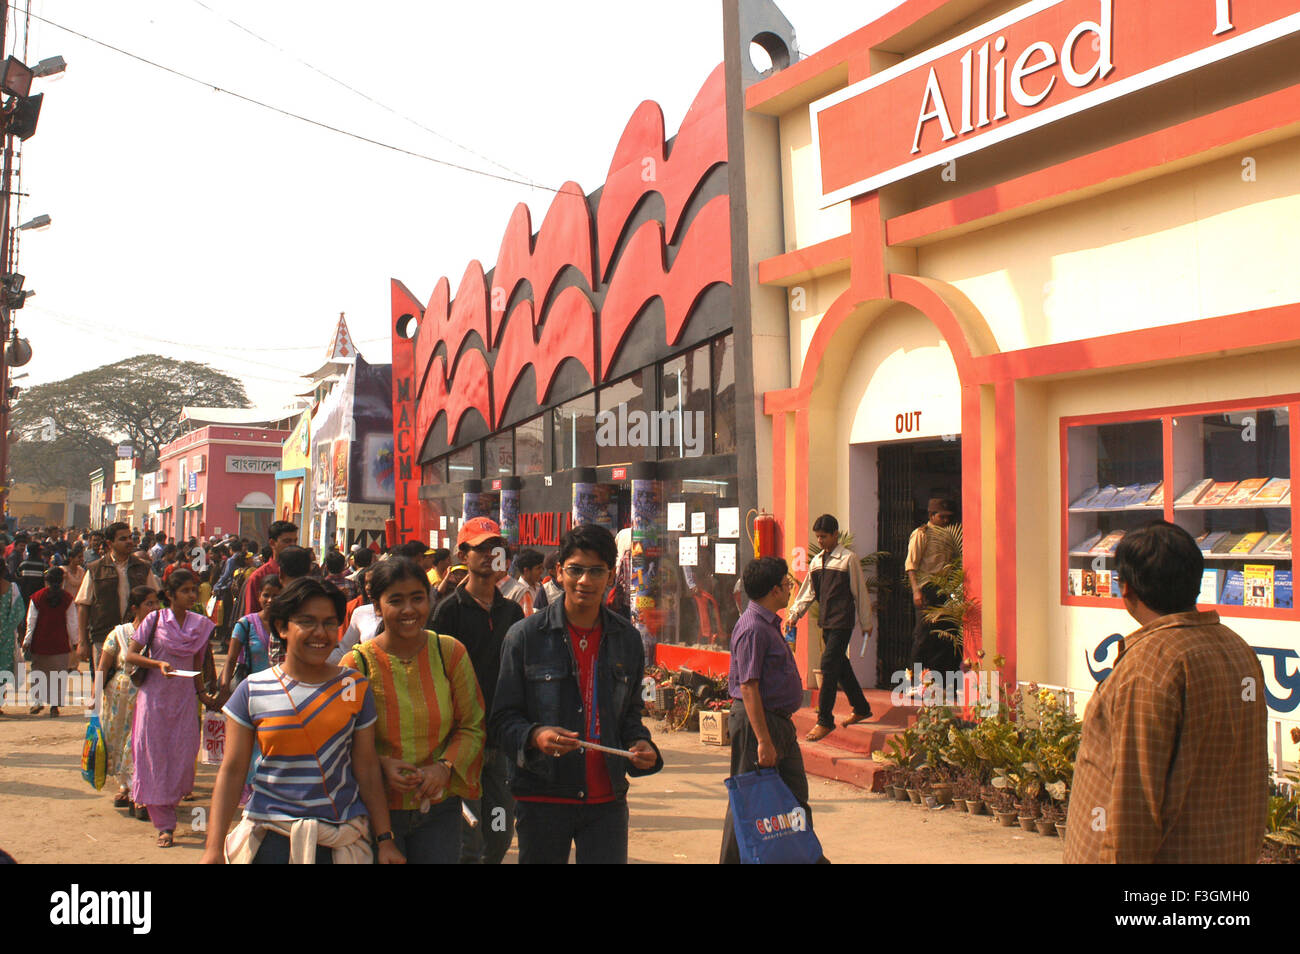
{"points": [[165, 734]]}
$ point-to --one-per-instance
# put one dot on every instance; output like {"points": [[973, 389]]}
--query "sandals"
{"points": [[36, 710], [123, 800], [165, 839], [856, 718], [818, 733]]}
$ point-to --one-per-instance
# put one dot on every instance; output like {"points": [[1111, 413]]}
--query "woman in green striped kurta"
{"points": [[430, 732]]}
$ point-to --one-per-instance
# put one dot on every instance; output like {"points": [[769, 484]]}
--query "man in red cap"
{"points": [[478, 615]]}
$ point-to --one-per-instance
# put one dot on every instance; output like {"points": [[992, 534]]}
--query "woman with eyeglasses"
{"points": [[318, 792], [430, 732]]}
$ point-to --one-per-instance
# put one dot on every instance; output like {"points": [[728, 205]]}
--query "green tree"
{"points": [[65, 429]]}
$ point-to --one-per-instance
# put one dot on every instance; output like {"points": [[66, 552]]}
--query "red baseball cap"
{"points": [[476, 531]]}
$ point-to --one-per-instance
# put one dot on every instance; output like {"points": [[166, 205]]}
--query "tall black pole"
{"points": [[5, 240]]}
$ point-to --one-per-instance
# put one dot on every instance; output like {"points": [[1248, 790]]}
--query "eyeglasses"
{"points": [[576, 572], [309, 624]]}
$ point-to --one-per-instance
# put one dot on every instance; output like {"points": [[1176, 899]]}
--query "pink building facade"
{"points": [[217, 480]]}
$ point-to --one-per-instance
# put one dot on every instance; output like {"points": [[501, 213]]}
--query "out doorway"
{"points": [[909, 474]]}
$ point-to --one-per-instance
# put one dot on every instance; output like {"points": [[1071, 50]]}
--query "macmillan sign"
{"points": [[1039, 63]]}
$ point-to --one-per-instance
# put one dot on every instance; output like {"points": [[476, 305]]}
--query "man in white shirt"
{"points": [[526, 588]]}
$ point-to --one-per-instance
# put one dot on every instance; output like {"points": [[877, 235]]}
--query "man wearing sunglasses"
{"points": [[573, 672], [478, 615]]}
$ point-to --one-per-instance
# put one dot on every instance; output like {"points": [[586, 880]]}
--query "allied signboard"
{"points": [[1039, 63], [252, 465], [125, 450]]}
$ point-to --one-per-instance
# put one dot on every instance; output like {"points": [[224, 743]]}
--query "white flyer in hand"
{"points": [[184, 672]]}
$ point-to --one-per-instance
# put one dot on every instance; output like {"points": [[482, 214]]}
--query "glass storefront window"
{"points": [[499, 455], [463, 464], [1233, 475], [434, 473], [684, 390], [1114, 486], [698, 606], [724, 395], [625, 402], [574, 433], [530, 448]]}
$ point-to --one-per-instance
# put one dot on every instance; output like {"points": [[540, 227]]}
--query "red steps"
{"points": [[845, 754]]}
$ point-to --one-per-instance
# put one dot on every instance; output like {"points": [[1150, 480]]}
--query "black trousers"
{"points": [[548, 830], [744, 758], [837, 673], [930, 649]]}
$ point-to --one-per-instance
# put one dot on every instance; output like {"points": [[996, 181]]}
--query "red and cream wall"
{"points": [[1139, 255]]}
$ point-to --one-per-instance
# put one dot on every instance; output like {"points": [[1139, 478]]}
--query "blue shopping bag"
{"points": [[772, 828], [94, 756]]}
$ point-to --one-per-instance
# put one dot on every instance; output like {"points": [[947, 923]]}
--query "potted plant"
{"points": [[899, 755]]}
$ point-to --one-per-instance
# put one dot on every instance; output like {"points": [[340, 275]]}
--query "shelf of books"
{"points": [[1231, 475]]}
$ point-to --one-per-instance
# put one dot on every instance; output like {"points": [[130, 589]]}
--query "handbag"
{"points": [[94, 756], [771, 826], [137, 672]]}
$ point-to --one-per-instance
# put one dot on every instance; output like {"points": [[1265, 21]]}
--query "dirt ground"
{"points": [[50, 815]]}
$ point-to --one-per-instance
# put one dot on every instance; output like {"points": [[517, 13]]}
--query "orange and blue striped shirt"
{"points": [[430, 708]]}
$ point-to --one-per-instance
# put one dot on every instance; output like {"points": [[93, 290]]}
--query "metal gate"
{"points": [[896, 521]]}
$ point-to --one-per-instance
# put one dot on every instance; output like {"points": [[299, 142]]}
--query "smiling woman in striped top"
{"points": [[317, 792], [430, 731]]}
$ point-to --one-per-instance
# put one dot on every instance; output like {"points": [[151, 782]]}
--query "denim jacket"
{"points": [[538, 685]]}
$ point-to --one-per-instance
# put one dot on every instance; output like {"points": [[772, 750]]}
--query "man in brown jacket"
{"points": [[102, 598], [1172, 765]]}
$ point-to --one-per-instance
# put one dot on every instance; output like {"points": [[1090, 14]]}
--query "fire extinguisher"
{"points": [[762, 533], [390, 532]]}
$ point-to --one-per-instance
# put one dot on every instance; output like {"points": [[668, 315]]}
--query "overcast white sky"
{"points": [[191, 224]]}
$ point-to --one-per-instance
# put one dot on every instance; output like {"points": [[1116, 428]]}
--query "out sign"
{"points": [[907, 422]]}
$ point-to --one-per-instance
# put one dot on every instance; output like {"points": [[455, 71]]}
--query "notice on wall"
{"points": [[697, 522], [677, 516], [724, 558], [442, 522], [687, 552], [729, 522], [433, 539]]}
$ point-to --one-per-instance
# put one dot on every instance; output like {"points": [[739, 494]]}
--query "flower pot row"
{"points": [[941, 795]]}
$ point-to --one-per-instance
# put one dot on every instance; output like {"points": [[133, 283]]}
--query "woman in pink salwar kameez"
{"points": [[165, 734]]}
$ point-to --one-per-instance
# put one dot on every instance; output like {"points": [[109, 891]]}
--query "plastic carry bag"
{"points": [[214, 738], [771, 826], [94, 755]]}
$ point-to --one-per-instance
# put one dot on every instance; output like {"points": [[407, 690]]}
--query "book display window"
{"points": [[1223, 473]]}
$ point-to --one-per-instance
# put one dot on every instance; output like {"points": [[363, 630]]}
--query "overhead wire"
{"points": [[298, 116], [366, 96]]}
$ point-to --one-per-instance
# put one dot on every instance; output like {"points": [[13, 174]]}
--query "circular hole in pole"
{"points": [[768, 52], [407, 327]]}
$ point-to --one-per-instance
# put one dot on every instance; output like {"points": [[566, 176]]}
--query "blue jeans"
{"points": [[274, 850], [488, 842], [547, 830], [428, 838]]}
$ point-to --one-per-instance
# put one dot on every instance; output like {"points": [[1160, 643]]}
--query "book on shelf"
{"points": [[1244, 491], [1273, 491], [1157, 496], [1282, 589], [1103, 582], [1134, 495], [1211, 539], [1216, 494], [1083, 498], [1268, 541], [1089, 587], [1124, 497], [1258, 581], [1228, 542], [1103, 497], [1193, 493], [1234, 588], [1075, 587], [1248, 542], [1108, 543], [1087, 543], [1210, 582], [1282, 547], [1286, 499]]}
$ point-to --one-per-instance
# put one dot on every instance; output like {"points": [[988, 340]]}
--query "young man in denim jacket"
{"points": [[573, 671]]}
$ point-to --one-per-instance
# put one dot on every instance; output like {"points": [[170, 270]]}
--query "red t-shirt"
{"points": [[598, 786]]}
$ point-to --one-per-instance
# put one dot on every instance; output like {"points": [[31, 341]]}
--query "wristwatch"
{"points": [[443, 762], [386, 836]]}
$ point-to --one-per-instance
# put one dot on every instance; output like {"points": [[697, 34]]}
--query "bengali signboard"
{"points": [[252, 465]]}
